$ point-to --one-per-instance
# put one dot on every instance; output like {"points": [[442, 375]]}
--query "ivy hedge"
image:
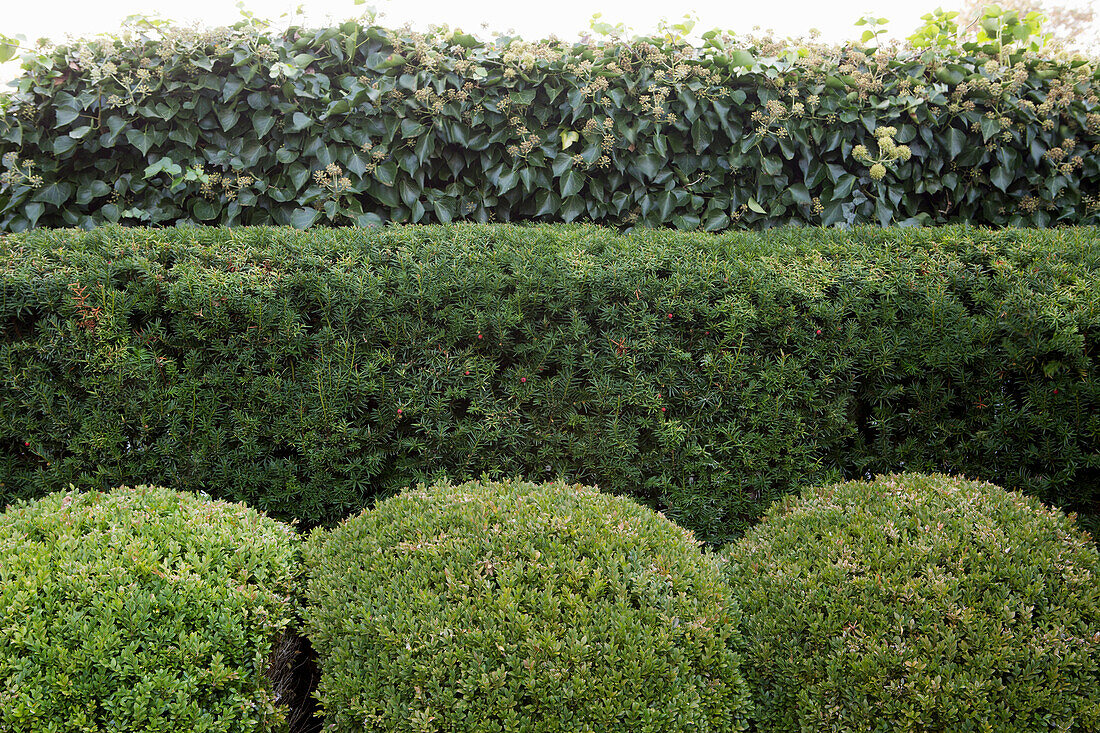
{"points": [[308, 373], [358, 124]]}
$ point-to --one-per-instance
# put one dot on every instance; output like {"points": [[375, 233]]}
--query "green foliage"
{"points": [[939, 30], [604, 28], [919, 603], [307, 373], [1001, 30], [8, 48], [516, 607], [358, 124], [140, 610], [876, 29]]}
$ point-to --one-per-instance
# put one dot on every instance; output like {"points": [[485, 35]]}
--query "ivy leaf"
{"points": [[204, 210], [571, 208], [231, 86], [741, 59], [386, 173], [716, 222], [648, 165], [55, 193], [392, 61], [303, 218], [956, 141], [571, 183], [90, 191], [227, 117], [66, 116], [262, 122], [298, 122], [140, 139], [800, 194], [8, 48], [339, 107], [844, 186], [548, 203], [33, 211], [63, 144], [299, 174], [1001, 177]]}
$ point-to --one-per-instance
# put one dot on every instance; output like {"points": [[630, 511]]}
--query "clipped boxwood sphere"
{"points": [[518, 607], [919, 603], [141, 609]]}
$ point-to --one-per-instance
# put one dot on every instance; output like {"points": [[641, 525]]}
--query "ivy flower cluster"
{"points": [[231, 186], [333, 180], [18, 173], [889, 153]]}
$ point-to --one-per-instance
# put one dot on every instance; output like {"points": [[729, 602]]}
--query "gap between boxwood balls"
{"points": [[294, 676]]}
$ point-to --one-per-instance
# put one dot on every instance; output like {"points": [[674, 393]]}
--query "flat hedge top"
{"points": [[331, 249]]}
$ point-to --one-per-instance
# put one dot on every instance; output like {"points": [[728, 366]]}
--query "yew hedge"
{"points": [[308, 373]]}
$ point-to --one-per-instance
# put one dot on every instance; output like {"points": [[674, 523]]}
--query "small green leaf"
{"points": [[303, 218], [741, 59], [8, 49], [55, 193], [386, 173], [63, 144], [227, 117], [298, 122], [66, 116], [262, 122], [649, 165], [956, 141], [800, 193], [140, 139], [33, 211], [1001, 177], [571, 208], [204, 210], [571, 183]]}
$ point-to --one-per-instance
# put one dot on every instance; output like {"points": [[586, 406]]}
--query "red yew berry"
{"points": [[523, 379], [479, 335], [670, 315], [398, 410], [467, 372], [662, 409], [1055, 391], [819, 332]]}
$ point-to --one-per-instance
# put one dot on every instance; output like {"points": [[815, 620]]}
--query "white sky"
{"points": [[532, 19]]}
